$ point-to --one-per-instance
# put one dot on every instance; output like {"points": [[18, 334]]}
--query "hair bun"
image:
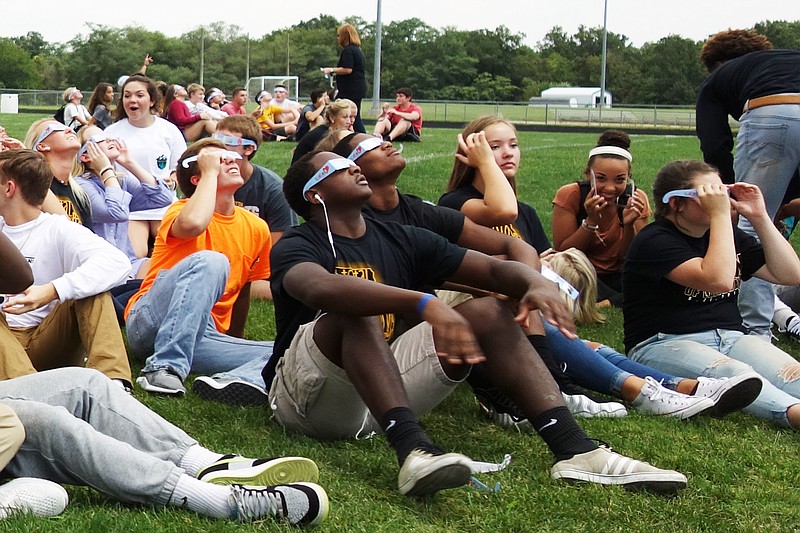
{"points": [[616, 138]]}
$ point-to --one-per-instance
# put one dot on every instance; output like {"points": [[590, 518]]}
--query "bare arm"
{"points": [[490, 242], [196, 214], [499, 203]]}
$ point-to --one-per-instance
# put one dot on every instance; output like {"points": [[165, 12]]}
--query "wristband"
{"points": [[105, 170], [588, 227], [423, 302]]}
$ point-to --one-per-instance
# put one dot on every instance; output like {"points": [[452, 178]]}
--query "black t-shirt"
{"points": [[303, 126], [728, 87], [263, 196], [309, 142], [77, 211], [353, 85], [413, 211], [392, 254], [527, 226], [653, 304]]}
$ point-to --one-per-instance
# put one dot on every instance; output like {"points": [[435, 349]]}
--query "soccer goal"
{"points": [[261, 83]]}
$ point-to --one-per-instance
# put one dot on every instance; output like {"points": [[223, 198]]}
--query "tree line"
{"points": [[446, 63]]}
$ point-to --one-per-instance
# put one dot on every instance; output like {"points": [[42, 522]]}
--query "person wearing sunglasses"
{"points": [[601, 214], [682, 277], [207, 253]]}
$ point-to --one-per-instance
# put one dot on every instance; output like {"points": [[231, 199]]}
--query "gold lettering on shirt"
{"points": [[364, 271], [72, 211], [510, 230]]}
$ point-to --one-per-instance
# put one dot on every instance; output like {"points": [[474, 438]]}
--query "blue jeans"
{"points": [[724, 353], [767, 155], [81, 429], [171, 326], [604, 370]]}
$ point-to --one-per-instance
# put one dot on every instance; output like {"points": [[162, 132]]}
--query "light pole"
{"points": [[603, 58], [376, 75]]}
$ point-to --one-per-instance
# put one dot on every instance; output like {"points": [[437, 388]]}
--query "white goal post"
{"points": [[257, 84]]}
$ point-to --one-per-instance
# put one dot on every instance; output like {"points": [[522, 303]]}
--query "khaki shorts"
{"points": [[313, 396]]}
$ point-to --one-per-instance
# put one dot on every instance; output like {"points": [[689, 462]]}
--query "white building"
{"points": [[575, 96]]}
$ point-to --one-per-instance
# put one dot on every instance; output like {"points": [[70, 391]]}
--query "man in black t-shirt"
{"points": [[345, 287]]}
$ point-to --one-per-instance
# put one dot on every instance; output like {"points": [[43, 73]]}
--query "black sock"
{"points": [[562, 434], [405, 434], [564, 382]]}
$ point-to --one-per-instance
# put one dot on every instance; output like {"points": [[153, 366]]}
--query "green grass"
{"points": [[742, 471]]}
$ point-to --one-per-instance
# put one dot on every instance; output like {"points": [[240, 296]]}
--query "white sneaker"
{"points": [[38, 497], [659, 400], [423, 473], [584, 407], [607, 467], [730, 394]]}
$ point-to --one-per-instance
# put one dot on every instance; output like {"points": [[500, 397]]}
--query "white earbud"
{"points": [[318, 197]]}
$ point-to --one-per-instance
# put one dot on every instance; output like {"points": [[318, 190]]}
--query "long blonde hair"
{"points": [[30, 138], [574, 266]]}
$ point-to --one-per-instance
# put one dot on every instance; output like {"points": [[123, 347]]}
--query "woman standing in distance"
{"points": [[153, 142], [349, 71]]}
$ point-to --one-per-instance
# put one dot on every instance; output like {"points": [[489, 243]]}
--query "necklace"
{"points": [[27, 238]]}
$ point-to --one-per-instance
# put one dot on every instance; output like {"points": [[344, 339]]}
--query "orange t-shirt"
{"points": [[606, 257], [242, 237]]}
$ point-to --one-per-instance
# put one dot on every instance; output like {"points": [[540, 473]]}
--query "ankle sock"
{"points": [[202, 498], [197, 458], [562, 434], [405, 434]]}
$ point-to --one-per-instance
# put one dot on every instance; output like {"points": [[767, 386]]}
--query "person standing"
{"points": [[759, 87], [350, 78]]}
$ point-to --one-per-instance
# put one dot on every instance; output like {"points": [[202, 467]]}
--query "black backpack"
{"points": [[59, 115]]}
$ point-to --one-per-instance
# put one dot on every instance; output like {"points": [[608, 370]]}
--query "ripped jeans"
{"points": [[704, 354]]}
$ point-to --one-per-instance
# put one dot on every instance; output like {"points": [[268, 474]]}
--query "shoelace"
{"points": [[660, 391], [255, 503]]}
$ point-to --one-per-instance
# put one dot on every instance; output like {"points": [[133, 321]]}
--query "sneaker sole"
{"points": [[737, 397], [145, 385], [275, 472], [665, 483], [239, 394]]}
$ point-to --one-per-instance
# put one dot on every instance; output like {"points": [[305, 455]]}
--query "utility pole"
{"points": [[376, 76]]}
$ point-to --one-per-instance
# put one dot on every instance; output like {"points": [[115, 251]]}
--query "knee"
{"points": [[789, 372], [486, 314], [211, 262], [724, 366]]}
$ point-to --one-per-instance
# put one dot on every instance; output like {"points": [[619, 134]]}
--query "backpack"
{"points": [[59, 115], [585, 187]]}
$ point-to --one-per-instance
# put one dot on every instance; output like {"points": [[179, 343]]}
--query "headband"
{"points": [[71, 94], [176, 89], [328, 169], [97, 138], [223, 154], [260, 95], [610, 150], [230, 140], [212, 94], [367, 145]]}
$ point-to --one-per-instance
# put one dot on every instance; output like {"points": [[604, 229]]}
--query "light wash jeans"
{"points": [[722, 353], [603, 370], [767, 155], [171, 325], [82, 429]]}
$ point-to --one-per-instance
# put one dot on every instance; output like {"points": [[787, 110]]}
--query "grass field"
{"points": [[743, 472]]}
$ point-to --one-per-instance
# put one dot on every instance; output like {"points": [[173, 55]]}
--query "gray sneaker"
{"points": [[296, 503], [161, 381], [423, 473], [606, 467]]}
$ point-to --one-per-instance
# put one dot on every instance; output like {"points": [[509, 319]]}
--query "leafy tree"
{"points": [[17, 69], [781, 33]]}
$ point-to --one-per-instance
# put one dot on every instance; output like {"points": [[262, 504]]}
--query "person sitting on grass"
{"points": [[66, 316], [73, 426], [344, 285], [402, 122], [193, 126], [313, 114], [682, 278], [196, 294]]}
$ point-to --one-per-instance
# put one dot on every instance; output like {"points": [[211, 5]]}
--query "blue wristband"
{"points": [[423, 302]]}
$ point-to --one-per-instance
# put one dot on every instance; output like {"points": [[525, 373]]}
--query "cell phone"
{"points": [[593, 182], [627, 194]]}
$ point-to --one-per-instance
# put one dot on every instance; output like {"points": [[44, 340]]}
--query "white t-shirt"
{"points": [[76, 261], [157, 148], [75, 110]]}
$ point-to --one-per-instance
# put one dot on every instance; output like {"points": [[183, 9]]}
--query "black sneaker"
{"points": [[229, 391]]}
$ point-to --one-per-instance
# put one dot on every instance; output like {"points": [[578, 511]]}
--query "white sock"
{"points": [[783, 315], [197, 458], [203, 498]]}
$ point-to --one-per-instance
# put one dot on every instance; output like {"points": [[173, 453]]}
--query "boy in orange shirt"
{"points": [[191, 308]]}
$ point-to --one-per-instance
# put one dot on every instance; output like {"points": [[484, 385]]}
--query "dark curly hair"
{"points": [[296, 177], [617, 138], [731, 44]]}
